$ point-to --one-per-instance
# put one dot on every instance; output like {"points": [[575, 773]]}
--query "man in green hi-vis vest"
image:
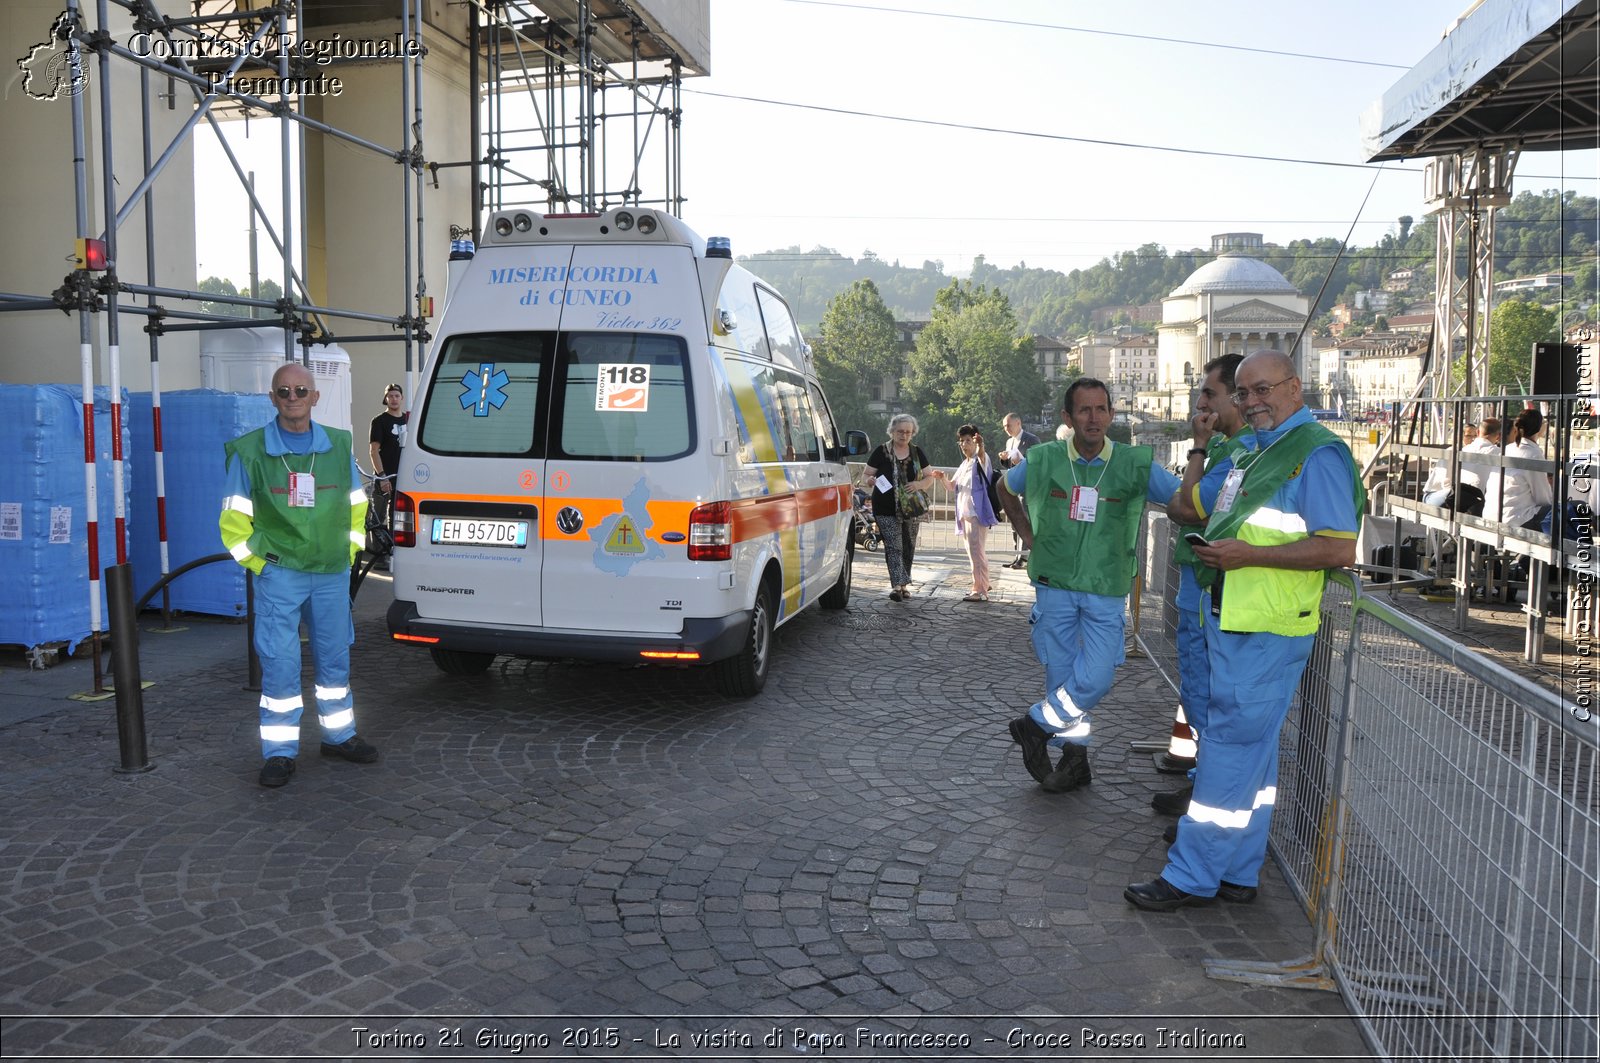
{"points": [[1285, 513], [1085, 499], [294, 514], [1217, 426]]}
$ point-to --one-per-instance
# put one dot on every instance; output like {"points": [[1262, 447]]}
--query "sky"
{"points": [[941, 130]]}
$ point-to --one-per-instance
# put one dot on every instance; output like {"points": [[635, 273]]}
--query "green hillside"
{"points": [[1537, 233]]}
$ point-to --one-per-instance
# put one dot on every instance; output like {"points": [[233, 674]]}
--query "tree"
{"points": [[1514, 327], [855, 350], [970, 365], [1406, 221]]}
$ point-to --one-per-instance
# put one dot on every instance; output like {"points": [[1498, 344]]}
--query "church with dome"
{"points": [[1234, 304]]}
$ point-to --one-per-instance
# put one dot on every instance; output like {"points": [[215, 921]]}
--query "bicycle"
{"points": [[379, 545]]}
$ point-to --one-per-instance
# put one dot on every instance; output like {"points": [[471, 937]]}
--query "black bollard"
{"points": [[253, 663], [125, 669]]}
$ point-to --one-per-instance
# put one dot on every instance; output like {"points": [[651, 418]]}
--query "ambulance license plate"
{"points": [[467, 531]]}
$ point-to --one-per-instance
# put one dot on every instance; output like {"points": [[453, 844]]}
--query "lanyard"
{"points": [[1072, 467]]}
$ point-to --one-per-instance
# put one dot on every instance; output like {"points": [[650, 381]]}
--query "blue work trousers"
{"points": [[1080, 640], [285, 598], [1194, 666], [1223, 836]]}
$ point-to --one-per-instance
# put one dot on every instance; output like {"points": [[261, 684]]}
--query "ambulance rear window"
{"points": [[483, 399], [624, 397]]}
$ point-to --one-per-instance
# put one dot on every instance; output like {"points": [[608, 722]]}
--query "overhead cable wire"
{"points": [[1103, 33], [1040, 136]]}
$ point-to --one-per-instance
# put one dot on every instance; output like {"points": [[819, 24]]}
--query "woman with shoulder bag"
{"points": [[898, 474]]}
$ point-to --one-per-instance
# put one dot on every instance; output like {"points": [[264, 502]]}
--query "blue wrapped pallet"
{"points": [[194, 425], [44, 534]]}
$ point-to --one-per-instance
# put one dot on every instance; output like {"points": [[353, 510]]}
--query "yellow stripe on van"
{"points": [[764, 448]]}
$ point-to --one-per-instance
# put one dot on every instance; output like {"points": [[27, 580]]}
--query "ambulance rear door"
{"points": [[627, 459]]}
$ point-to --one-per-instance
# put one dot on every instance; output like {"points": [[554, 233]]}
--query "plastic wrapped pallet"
{"points": [[44, 535], [194, 426]]}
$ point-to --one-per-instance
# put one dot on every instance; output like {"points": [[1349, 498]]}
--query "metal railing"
{"points": [[1439, 818]]}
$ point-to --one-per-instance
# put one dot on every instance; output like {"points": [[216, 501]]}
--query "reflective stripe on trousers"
{"points": [[1080, 638], [285, 598], [1223, 837]]}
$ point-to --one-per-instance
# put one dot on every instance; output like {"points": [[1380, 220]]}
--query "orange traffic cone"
{"points": [[1178, 757]]}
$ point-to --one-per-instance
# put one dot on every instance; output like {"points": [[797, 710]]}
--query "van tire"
{"points": [[838, 595], [745, 673], [461, 662]]}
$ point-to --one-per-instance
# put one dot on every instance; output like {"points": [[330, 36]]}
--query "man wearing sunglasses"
{"points": [[1286, 509], [294, 515]]}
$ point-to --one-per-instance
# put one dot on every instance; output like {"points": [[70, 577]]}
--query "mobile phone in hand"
{"points": [[1195, 539]]}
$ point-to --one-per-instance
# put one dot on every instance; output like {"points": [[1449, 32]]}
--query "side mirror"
{"points": [[856, 444]]}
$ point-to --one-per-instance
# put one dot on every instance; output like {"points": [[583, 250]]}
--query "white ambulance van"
{"points": [[619, 451]]}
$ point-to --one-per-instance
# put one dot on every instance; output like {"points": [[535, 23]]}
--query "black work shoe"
{"points": [[1167, 764], [1159, 895], [1235, 894], [352, 749], [1170, 835], [1032, 738], [1173, 802], [1071, 773], [276, 771]]}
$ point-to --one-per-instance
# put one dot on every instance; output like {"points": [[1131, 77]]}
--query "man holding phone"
{"points": [[1216, 426], [1287, 511]]}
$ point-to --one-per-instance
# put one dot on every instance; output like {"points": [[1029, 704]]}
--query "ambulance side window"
{"points": [[748, 335], [775, 421], [782, 333], [623, 396], [827, 431], [483, 398], [799, 422]]}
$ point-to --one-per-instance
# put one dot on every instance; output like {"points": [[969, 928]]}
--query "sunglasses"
{"points": [[300, 391]]}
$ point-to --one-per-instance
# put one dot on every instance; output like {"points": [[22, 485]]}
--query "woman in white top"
{"points": [[975, 513], [1520, 497]]}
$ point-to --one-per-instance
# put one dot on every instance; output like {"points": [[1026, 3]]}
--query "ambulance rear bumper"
{"points": [[713, 638]]}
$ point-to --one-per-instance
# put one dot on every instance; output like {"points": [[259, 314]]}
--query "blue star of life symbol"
{"points": [[484, 388]]}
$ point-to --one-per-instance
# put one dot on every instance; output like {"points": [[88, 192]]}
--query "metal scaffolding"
{"points": [[566, 97], [228, 39], [574, 96], [1465, 190]]}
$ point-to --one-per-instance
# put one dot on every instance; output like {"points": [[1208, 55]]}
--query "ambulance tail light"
{"points": [[711, 532], [404, 521]]}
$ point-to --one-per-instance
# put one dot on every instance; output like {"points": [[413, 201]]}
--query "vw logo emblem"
{"points": [[569, 520]]}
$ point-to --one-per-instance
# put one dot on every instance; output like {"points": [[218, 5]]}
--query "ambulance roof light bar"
{"points": [[518, 226]]}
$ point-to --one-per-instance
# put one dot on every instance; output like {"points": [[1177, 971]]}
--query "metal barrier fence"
{"points": [[1439, 818]]}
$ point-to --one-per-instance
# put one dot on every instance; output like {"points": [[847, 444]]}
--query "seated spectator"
{"points": [[1520, 497], [1438, 491]]}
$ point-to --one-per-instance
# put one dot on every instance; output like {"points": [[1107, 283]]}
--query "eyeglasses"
{"points": [[283, 390], [1260, 391]]}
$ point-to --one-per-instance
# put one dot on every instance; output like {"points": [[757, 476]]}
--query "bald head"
{"points": [[294, 392], [1275, 364], [1268, 391]]}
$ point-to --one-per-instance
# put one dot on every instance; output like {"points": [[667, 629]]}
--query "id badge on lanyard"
{"points": [[1230, 490], [302, 489], [1085, 500]]}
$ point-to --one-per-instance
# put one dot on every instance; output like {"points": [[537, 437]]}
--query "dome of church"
{"points": [[1235, 274]]}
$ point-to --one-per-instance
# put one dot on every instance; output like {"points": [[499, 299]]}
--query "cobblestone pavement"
{"points": [[565, 860]]}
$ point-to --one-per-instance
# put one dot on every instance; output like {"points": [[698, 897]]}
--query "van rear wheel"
{"points": [[745, 673], [461, 662], [838, 595]]}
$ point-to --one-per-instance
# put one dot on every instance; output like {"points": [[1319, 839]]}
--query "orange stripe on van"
{"points": [[752, 518], [755, 517]]}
